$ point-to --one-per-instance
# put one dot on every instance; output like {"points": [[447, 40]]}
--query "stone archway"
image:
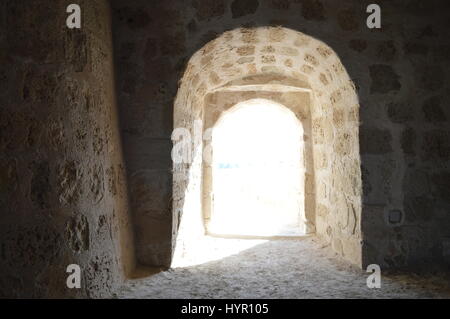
{"points": [[280, 58]]}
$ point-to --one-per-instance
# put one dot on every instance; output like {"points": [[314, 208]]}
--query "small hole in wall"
{"points": [[395, 217]]}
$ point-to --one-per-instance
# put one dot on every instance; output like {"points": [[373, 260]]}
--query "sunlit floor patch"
{"points": [[211, 249]]}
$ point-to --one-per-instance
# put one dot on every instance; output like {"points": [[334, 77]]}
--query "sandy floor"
{"points": [[277, 269]]}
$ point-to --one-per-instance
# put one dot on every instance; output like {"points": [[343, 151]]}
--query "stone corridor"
{"points": [[92, 175]]}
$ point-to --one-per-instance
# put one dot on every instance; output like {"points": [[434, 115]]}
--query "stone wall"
{"points": [[63, 196], [399, 74]]}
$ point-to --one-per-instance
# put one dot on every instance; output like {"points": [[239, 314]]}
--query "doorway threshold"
{"points": [[274, 237]]}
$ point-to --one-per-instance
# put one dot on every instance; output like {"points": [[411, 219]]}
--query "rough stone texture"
{"points": [[408, 141], [358, 45], [61, 172], [397, 71], [400, 113], [240, 8], [63, 190], [313, 10], [58, 130], [384, 79], [207, 9], [334, 133], [375, 141], [436, 145], [433, 111], [77, 233], [348, 20]]}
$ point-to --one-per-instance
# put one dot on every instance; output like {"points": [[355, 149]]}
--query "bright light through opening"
{"points": [[257, 172]]}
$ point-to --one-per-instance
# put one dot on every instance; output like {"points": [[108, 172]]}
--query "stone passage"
{"points": [[398, 72], [306, 76], [86, 117]]}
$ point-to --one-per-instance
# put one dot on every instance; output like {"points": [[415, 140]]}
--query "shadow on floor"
{"points": [[279, 269]]}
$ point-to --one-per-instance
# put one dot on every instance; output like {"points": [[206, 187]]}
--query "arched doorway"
{"points": [[284, 66], [257, 172]]}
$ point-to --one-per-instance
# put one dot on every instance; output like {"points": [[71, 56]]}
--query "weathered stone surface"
{"points": [[55, 134], [375, 141], [417, 183], [384, 79], [441, 53], [111, 179], [77, 233], [268, 59], [76, 49], [240, 8], [127, 50], [246, 50], [8, 180], [151, 212], [418, 209], [344, 144], [400, 112], [57, 130], [138, 19], [97, 184], [151, 49], [69, 176], [31, 246], [436, 145], [386, 51], [358, 45], [433, 111], [415, 48], [408, 141], [207, 9], [173, 45], [366, 186], [192, 26], [441, 184], [147, 86], [40, 185], [313, 10], [280, 4], [348, 20], [61, 152], [38, 87], [43, 46], [430, 77], [100, 276]]}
